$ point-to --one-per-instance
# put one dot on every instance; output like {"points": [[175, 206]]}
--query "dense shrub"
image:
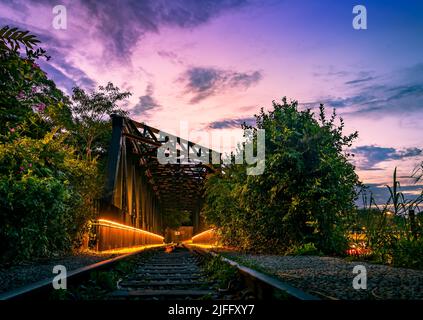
{"points": [[408, 253], [34, 216], [42, 196], [305, 192], [47, 187]]}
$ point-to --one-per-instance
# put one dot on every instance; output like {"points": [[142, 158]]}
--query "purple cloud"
{"points": [[146, 103], [372, 155], [203, 82], [232, 123]]}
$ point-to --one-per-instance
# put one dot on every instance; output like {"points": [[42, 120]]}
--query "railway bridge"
{"points": [[141, 190]]}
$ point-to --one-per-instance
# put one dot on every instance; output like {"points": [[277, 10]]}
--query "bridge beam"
{"points": [[113, 156]]}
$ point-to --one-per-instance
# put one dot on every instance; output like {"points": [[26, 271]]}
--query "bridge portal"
{"points": [[140, 191]]}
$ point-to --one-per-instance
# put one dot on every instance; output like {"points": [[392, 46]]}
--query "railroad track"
{"points": [[166, 273], [174, 274]]}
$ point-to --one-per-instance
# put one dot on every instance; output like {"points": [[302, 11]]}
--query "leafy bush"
{"points": [[408, 253], [305, 193], [46, 187], [42, 198], [34, 216]]}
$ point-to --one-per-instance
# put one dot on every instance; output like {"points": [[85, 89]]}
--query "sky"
{"points": [[212, 64]]}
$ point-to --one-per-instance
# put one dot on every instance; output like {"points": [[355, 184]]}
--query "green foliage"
{"points": [[92, 128], [408, 253], [306, 249], [306, 191], [174, 218], [33, 216], [220, 271], [28, 99], [46, 188], [392, 235], [11, 39], [100, 283], [42, 198]]}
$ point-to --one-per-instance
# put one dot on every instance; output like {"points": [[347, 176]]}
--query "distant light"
{"points": [[354, 251]]}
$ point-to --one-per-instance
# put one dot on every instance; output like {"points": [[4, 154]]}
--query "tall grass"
{"points": [[393, 231]]}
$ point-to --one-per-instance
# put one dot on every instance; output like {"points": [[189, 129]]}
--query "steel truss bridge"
{"points": [[140, 189]]}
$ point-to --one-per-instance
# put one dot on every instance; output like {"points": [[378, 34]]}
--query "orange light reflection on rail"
{"points": [[131, 249], [108, 223]]}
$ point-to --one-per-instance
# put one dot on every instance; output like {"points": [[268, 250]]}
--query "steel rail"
{"points": [[261, 277], [46, 284]]}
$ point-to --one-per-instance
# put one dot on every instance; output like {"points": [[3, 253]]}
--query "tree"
{"points": [[305, 192], [91, 113], [46, 188], [28, 99]]}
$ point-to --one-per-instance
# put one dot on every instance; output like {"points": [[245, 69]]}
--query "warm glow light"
{"points": [[108, 223], [357, 236], [202, 233], [358, 251], [358, 247], [207, 238], [131, 249]]}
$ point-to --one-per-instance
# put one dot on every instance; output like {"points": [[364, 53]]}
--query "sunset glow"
{"points": [[207, 157], [214, 65]]}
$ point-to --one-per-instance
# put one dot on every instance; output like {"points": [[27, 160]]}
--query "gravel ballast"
{"points": [[332, 278], [16, 276]]}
